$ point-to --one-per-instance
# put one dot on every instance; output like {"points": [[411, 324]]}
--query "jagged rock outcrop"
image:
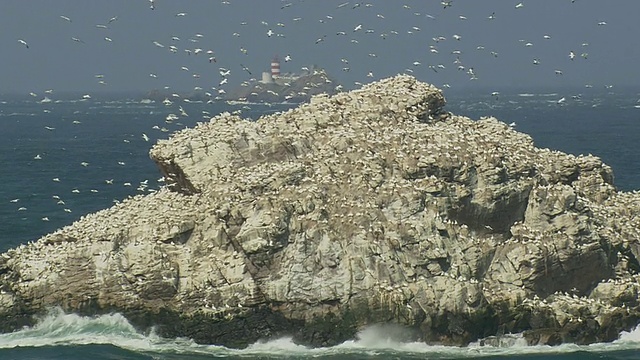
{"points": [[372, 206]]}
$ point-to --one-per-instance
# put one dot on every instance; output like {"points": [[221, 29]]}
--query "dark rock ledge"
{"points": [[372, 206]]}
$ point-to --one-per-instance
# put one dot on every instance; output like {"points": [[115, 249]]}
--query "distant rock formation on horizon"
{"points": [[292, 89], [367, 207]]}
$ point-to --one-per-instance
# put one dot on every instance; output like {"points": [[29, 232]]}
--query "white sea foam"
{"points": [[283, 345], [61, 329], [632, 336], [58, 328]]}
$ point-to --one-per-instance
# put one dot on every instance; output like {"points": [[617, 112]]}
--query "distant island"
{"points": [[272, 87], [275, 87]]}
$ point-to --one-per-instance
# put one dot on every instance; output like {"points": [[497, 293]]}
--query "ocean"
{"points": [[68, 156]]}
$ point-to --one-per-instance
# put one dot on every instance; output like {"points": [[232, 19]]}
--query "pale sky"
{"points": [[392, 37]]}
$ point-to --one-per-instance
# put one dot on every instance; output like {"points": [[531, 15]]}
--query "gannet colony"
{"points": [[366, 207]]}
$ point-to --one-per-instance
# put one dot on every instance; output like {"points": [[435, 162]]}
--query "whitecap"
{"points": [[58, 328]]}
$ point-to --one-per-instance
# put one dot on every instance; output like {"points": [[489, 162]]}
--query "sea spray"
{"points": [[284, 345], [59, 329], [632, 336]]}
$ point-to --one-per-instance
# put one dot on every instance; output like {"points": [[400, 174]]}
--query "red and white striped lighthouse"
{"points": [[275, 67]]}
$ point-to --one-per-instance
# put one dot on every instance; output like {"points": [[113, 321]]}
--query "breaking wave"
{"points": [[59, 329]]}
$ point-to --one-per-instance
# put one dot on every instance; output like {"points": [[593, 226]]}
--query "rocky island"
{"points": [[367, 207], [285, 88]]}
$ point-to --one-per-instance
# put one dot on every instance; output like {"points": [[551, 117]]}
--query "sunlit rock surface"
{"points": [[372, 206]]}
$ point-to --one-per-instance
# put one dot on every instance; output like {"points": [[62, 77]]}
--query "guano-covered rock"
{"points": [[371, 206]]}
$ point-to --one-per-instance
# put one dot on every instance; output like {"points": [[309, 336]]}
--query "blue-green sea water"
{"points": [[68, 157]]}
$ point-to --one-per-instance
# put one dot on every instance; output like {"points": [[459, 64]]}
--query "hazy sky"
{"points": [[395, 37]]}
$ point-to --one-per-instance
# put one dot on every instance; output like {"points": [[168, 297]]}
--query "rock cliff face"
{"points": [[373, 206]]}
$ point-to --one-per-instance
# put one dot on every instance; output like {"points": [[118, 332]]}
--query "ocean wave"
{"points": [[19, 114], [58, 328]]}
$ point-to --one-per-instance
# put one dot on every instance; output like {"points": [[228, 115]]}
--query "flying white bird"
{"points": [[23, 43], [65, 18], [519, 5]]}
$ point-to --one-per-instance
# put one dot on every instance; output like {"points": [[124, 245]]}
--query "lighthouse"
{"points": [[275, 67]]}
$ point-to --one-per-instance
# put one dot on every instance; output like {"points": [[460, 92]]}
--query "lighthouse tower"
{"points": [[275, 67]]}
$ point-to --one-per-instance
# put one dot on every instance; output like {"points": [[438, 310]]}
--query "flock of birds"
{"points": [[434, 60], [437, 60]]}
